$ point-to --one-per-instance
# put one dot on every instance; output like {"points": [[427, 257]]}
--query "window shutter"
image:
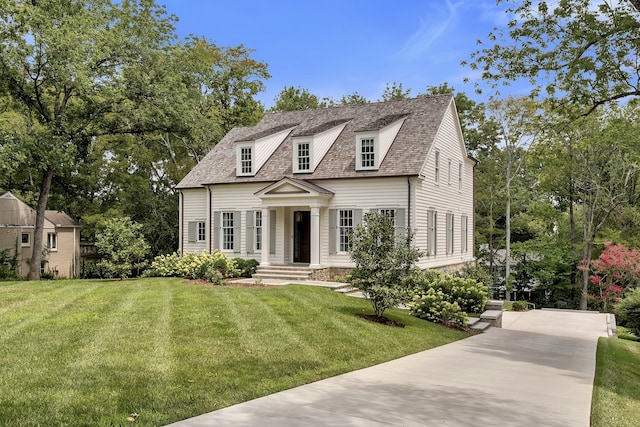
{"points": [[333, 231], [193, 229], [272, 232], [216, 230], [250, 232], [357, 218], [401, 231], [237, 231], [435, 232]]}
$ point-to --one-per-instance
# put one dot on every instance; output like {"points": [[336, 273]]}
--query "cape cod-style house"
{"points": [[288, 191], [61, 238]]}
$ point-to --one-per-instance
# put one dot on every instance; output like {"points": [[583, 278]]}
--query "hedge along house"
{"points": [[61, 238], [289, 190]]}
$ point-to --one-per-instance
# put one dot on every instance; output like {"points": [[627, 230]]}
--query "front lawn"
{"points": [[616, 391], [160, 350]]}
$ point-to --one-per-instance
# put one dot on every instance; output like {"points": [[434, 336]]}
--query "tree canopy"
{"points": [[580, 54]]}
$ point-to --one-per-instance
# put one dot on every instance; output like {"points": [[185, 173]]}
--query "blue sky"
{"points": [[337, 47]]}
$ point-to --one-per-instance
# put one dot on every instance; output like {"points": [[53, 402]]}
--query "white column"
{"points": [[266, 238], [315, 237]]}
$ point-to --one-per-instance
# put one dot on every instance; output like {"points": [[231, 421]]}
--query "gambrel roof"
{"points": [[421, 119]]}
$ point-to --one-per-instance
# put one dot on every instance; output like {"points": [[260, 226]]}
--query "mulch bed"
{"points": [[382, 320]]}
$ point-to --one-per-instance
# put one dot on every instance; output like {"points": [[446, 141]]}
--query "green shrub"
{"points": [[433, 305], [8, 265], [207, 266], [519, 306], [444, 298], [244, 267], [628, 311]]}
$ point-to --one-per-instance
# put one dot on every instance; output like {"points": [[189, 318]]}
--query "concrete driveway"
{"points": [[536, 371]]}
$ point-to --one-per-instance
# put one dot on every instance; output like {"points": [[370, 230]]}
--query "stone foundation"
{"points": [[330, 274]]}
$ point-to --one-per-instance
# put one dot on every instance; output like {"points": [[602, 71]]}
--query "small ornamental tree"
{"points": [[615, 272], [123, 245], [385, 261]]}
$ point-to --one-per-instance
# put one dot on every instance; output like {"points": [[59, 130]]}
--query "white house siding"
{"points": [[365, 194], [241, 198], [193, 208], [446, 197]]}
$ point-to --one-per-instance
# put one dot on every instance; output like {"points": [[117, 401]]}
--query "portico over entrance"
{"points": [[291, 214]]}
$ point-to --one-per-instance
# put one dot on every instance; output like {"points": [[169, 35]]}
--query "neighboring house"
{"points": [[61, 237], [289, 190]]}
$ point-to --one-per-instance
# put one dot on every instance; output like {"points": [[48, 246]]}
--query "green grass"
{"points": [[616, 391], [95, 352]]}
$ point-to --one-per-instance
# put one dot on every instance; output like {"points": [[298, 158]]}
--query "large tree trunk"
{"points": [[585, 274], [36, 257], [507, 231]]}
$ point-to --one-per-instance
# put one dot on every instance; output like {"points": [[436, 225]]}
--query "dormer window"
{"points": [[302, 160], [245, 160], [367, 153]]}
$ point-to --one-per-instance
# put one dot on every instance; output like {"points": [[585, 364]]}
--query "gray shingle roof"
{"points": [[406, 156]]}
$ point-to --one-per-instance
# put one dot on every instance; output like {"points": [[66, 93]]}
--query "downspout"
{"points": [[408, 209], [209, 219], [181, 225]]}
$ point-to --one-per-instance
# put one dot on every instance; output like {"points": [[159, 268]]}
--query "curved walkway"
{"points": [[536, 371]]}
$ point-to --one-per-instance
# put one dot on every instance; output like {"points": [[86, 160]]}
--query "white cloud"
{"points": [[429, 31]]}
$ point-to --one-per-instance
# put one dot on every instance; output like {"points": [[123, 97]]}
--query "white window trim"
{"points": [[239, 148], [296, 164], [376, 151], [201, 225], [450, 224], [437, 167], [54, 247], [460, 172], [449, 166], [464, 234], [340, 227], [432, 232], [256, 228], [224, 228], [28, 242]]}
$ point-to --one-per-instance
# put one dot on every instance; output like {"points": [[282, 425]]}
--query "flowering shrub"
{"points": [[443, 298], [433, 305], [212, 267], [614, 272]]}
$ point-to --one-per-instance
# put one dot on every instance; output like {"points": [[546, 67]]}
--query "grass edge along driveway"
{"points": [[616, 386], [156, 351]]}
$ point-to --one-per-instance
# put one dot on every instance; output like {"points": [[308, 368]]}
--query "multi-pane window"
{"points": [[52, 241], [460, 177], [449, 173], [437, 167], [227, 231], [304, 156], [345, 227], [463, 234], [258, 230], [25, 240], [202, 231], [391, 214], [367, 153], [432, 219], [449, 233], [246, 160]]}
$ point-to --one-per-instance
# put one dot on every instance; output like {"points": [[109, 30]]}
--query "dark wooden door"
{"points": [[301, 236]]}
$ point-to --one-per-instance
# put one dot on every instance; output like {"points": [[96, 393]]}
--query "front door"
{"points": [[301, 236]]}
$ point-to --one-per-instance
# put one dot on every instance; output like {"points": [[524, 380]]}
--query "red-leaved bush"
{"points": [[616, 271]]}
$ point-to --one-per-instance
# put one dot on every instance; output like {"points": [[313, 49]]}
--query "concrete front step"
{"points": [[283, 273], [477, 324]]}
